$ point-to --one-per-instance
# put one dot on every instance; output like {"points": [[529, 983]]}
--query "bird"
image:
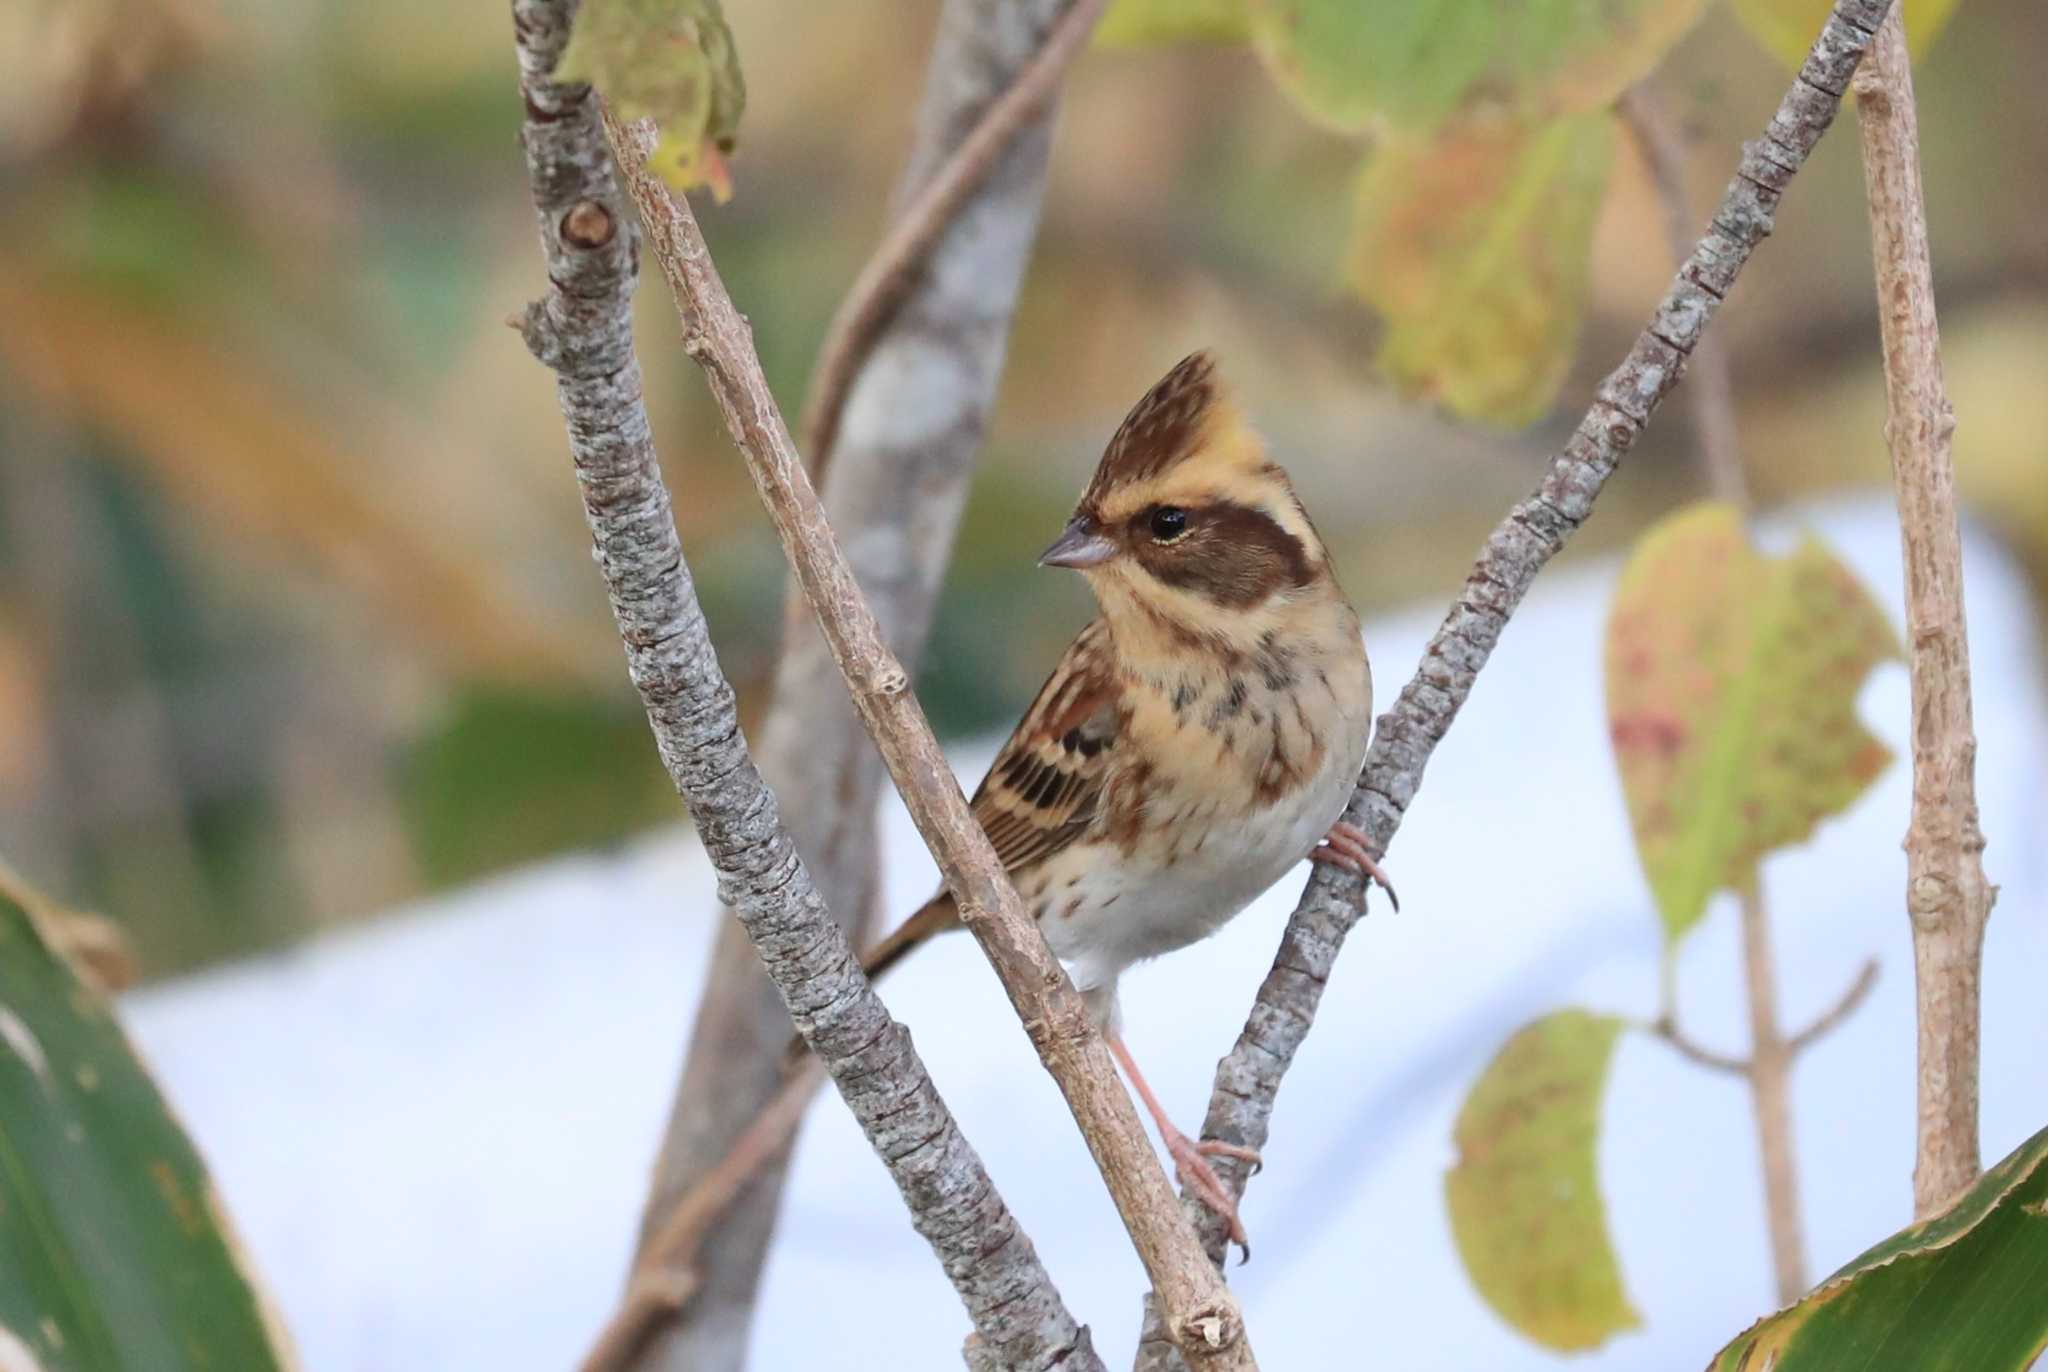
{"points": [[1199, 737]]}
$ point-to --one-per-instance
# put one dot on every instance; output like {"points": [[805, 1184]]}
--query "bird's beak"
{"points": [[1082, 545]]}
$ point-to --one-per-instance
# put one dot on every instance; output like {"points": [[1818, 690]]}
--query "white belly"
{"points": [[1103, 916]]}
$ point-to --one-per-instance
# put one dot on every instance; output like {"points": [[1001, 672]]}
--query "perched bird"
{"points": [[1199, 736]]}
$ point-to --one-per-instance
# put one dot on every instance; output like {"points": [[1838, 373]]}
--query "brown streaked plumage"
{"points": [[1199, 736]]}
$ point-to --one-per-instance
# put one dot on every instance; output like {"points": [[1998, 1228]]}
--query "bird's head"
{"points": [[1188, 524]]}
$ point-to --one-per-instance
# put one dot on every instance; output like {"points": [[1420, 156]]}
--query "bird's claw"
{"points": [[1344, 846], [1195, 1173]]}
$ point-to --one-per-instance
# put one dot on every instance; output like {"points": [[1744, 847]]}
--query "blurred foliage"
{"points": [[1475, 244], [1732, 681], [115, 1253], [509, 778], [672, 61], [284, 510], [1786, 27], [1131, 22], [1731, 701], [1524, 1195], [1960, 1290], [1474, 219], [1417, 64]]}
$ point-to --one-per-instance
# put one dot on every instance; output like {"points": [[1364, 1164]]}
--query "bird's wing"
{"points": [[1045, 785]]}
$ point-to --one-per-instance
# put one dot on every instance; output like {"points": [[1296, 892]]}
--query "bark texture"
{"points": [[1948, 896], [906, 448], [1535, 530], [582, 329], [1199, 1311]]}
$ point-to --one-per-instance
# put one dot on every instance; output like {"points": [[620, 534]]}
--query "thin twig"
{"points": [[1948, 897], [583, 330], [1769, 1065], [1248, 1078], [1830, 1019], [1667, 1028], [883, 282], [665, 1273], [1201, 1313], [1770, 1090], [1710, 392], [902, 464]]}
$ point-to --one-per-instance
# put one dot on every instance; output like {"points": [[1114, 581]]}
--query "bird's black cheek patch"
{"points": [[1232, 555]]}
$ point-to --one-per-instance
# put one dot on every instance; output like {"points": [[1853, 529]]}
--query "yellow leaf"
{"points": [[1139, 23], [1524, 1196], [1474, 245], [672, 61], [1787, 28], [1415, 64], [1731, 700]]}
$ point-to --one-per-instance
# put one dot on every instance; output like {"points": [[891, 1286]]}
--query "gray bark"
{"points": [[906, 449], [582, 329], [1200, 1313], [1248, 1078]]}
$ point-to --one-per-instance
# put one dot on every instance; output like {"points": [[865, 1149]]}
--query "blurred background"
{"points": [[296, 618]]}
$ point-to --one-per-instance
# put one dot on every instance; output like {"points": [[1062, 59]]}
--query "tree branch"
{"points": [[905, 452], [1770, 1091], [582, 329], [1947, 895], [1830, 1019], [1200, 1312], [1248, 1078], [1708, 387], [888, 275]]}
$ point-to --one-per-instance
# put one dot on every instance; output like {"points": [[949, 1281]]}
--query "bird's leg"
{"points": [[1191, 1157], [1344, 846]]}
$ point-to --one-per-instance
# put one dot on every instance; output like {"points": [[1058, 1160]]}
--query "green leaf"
{"points": [[1731, 700], [1137, 23], [672, 61], [1961, 1292], [114, 1251], [1474, 246], [1524, 1195], [1413, 64], [1787, 28]]}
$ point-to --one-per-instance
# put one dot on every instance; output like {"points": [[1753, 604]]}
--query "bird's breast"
{"points": [[1227, 779]]}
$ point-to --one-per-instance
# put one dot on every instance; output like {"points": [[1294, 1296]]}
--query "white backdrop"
{"points": [[435, 1131]]}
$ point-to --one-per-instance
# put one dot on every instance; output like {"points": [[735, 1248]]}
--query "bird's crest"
{"points": [[1174, 422]]}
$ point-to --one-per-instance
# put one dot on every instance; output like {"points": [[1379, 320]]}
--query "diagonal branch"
{"points": [[887, 277], [1948, 896], [1200, 1313], [583, 330], [905, 452], [1248, 1078]]}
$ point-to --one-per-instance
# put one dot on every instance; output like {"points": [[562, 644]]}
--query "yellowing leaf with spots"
{"points": [[1474, 246], [1413, 64], [115, 1254], [1134, 23], [1962, 1291], [672, 61], [1524, 1194], [1787, 28], [1731, 701]]}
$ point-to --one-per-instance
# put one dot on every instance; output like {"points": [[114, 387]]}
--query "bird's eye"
{"points": [[1168, 523]]}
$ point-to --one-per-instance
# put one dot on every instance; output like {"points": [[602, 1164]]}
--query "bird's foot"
{"points": [[1344, 846], [1191, 1163]]}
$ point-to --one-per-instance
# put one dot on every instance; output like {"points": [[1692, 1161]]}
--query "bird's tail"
{"points": [[935, 916]]}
